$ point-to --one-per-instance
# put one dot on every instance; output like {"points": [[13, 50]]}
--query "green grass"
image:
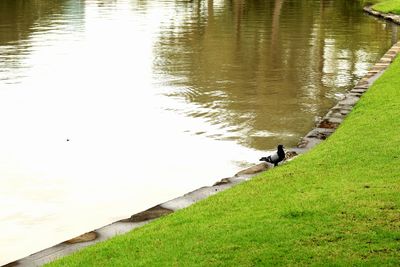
{"points": [[387, 6], [337, 205]]}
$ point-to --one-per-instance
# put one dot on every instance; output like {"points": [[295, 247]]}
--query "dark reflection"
{"points": [[261, 72], [21, 21], [19, 17]]}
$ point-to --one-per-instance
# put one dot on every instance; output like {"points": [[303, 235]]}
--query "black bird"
{"points": [[276, 157]]}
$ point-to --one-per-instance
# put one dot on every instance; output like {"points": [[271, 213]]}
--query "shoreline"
{"points": [[324, 128], [387, 16]]}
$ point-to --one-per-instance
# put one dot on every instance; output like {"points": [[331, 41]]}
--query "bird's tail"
{"points": [[266, 159]]}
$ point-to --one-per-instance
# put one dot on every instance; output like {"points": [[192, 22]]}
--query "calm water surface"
{"points": [[110, 107]]}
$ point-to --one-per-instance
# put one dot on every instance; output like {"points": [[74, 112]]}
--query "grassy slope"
{"points": [[338, 204], [388, 6]]}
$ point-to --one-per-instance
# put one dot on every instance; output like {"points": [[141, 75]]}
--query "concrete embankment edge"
{"points": [[324, 128], [387, 16]]}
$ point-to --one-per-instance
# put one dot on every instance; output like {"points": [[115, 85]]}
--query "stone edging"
{"points": [[388, 16], [327, 125], [324, 128]]}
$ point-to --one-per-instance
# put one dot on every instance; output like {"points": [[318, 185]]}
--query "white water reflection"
{"points": [[125, 151]]}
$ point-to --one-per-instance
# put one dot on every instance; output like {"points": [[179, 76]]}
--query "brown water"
{"points": [[110, 107]]}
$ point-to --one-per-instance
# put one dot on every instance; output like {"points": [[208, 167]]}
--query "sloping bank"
{"points": [[387, 9], [387, 6], [337, 204]]}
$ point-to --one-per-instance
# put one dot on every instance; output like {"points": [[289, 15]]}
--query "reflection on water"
{"points": [[157, 98], [259, 72]]}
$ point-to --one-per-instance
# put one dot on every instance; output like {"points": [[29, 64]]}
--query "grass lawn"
{"points": [[339, 204], [387, 6]]}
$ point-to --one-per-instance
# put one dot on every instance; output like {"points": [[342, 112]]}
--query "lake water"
{"points": [[110, 107]]}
